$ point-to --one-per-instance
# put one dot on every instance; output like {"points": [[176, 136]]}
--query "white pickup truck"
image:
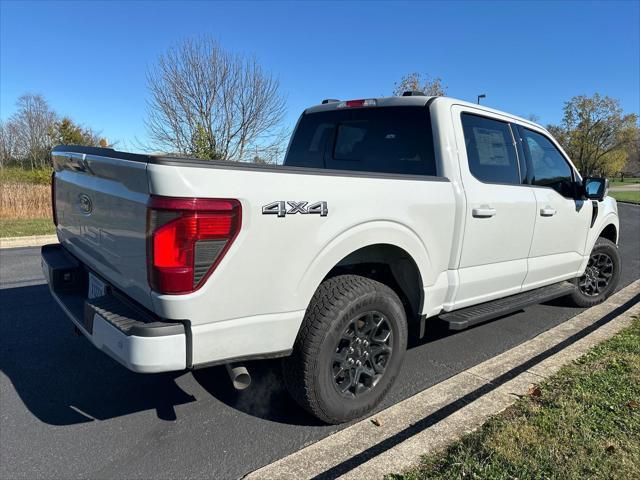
{"points": [[386, 212]]}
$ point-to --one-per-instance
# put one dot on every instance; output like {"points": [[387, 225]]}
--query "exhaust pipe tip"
{"points": [[239, 375]]}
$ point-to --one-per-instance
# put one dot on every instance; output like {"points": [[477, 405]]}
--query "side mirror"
{"points": [[595, 188]]}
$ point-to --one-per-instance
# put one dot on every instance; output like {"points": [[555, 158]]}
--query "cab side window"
{"points": [[549, 167], [490, 150]]}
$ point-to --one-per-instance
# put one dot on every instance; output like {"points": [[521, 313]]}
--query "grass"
{"points": [[585, 423], [626, 180], [21, 227], [25, 202], [18, 175], [633, 197]]}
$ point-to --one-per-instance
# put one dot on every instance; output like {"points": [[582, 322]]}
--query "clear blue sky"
{"points": [[89, 58]]}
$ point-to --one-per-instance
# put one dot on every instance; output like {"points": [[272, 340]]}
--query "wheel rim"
{"points": [[362, 354], [597, 275]]}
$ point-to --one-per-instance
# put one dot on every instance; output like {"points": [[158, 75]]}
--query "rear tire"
{"points": [[601, 276], [349, 349]]}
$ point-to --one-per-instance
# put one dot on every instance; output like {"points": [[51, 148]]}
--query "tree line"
{"points": [[208, 103], [27, 137], [598, 136]]}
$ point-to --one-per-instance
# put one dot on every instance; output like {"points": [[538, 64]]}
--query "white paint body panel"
{"points": [[255, 300], [260, 290], [493, 247], [558, 245]]}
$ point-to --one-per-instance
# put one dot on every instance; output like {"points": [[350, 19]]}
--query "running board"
{"points": [[466, 317]]}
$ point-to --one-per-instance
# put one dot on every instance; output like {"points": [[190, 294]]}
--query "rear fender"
{"points": [[360, 236]]}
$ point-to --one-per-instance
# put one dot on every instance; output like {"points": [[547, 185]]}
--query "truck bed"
{"points": [[272, 254]]}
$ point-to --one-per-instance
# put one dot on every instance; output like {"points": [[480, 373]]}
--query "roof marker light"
{"points": [[369, 102]]}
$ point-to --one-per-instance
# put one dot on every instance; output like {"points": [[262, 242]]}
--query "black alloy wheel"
{"points": [[362, 354], [597, 275]]}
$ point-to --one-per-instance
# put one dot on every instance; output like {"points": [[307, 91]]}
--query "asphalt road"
{"points": [[69, 411]]}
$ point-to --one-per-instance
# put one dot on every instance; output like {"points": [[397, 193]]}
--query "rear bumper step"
{"points": [[132, 336], [467, 317]]}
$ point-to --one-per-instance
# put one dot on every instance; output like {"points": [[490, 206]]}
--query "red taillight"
{"points": [[54, 215], [369, 102], [187, 239]]}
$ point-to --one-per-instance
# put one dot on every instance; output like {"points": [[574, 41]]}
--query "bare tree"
{"points": [[32, 123], [430, 86], [8, 143], [209, 103]]}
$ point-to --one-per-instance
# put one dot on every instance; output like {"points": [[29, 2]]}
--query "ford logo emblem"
{"points": [[85, 204]]}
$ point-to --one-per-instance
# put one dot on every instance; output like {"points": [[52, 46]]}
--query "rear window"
{"points": [[382, 139]]}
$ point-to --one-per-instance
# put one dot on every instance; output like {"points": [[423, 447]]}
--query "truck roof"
{"points": [[419, 101]]}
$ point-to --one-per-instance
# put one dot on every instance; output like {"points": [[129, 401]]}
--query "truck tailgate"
{"points": [[100, 203]]}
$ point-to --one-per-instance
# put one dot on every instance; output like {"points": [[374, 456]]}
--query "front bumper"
{"points": [[113, 323]]}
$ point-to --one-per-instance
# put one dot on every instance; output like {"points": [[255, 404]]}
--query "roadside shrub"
{"points": [[40, 176]]}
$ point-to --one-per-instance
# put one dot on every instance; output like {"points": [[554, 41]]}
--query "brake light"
{"points": [[54, 215], [187, 239], [369, 102]]}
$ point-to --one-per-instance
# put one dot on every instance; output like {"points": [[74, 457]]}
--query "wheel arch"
{"points": [[388, 264], [607, 227], [610, 232], [386, 251]]}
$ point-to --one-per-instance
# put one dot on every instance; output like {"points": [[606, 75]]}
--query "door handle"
{"points": [[483, 212], [547, 212]]}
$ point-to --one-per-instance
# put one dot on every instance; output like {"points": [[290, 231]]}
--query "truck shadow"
{"points": [[63, 379], [266, 397]]}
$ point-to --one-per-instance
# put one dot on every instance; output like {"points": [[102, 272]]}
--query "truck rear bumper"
{"points": [[132, 336]]}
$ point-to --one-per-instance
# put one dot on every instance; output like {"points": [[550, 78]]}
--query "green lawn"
{"points": [[23, 227], [633, 197], [585, 423], [627, 180]]}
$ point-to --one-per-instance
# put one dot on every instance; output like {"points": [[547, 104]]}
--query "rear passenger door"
{"points": [[500, 210], [562, 220]]}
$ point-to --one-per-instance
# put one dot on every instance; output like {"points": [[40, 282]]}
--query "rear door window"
{"points": [[491, 152], [378, 139]]}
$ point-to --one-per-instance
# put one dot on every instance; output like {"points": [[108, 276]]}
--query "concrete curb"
{"points": [[433, 418], [31, 241]]}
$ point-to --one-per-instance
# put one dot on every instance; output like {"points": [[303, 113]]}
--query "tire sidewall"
{"points": [[608, 247], [335, 405]]}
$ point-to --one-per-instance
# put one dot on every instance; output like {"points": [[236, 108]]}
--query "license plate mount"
{"points": [[97, 288]]}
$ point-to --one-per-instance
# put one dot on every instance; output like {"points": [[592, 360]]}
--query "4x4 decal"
{"points": [[280, 208]]}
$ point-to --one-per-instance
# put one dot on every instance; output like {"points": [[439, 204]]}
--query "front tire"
{"points": [[601, 276], [349, 349]]}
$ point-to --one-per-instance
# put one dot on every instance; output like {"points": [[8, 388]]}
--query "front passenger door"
{"points": [[562, 221]]}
